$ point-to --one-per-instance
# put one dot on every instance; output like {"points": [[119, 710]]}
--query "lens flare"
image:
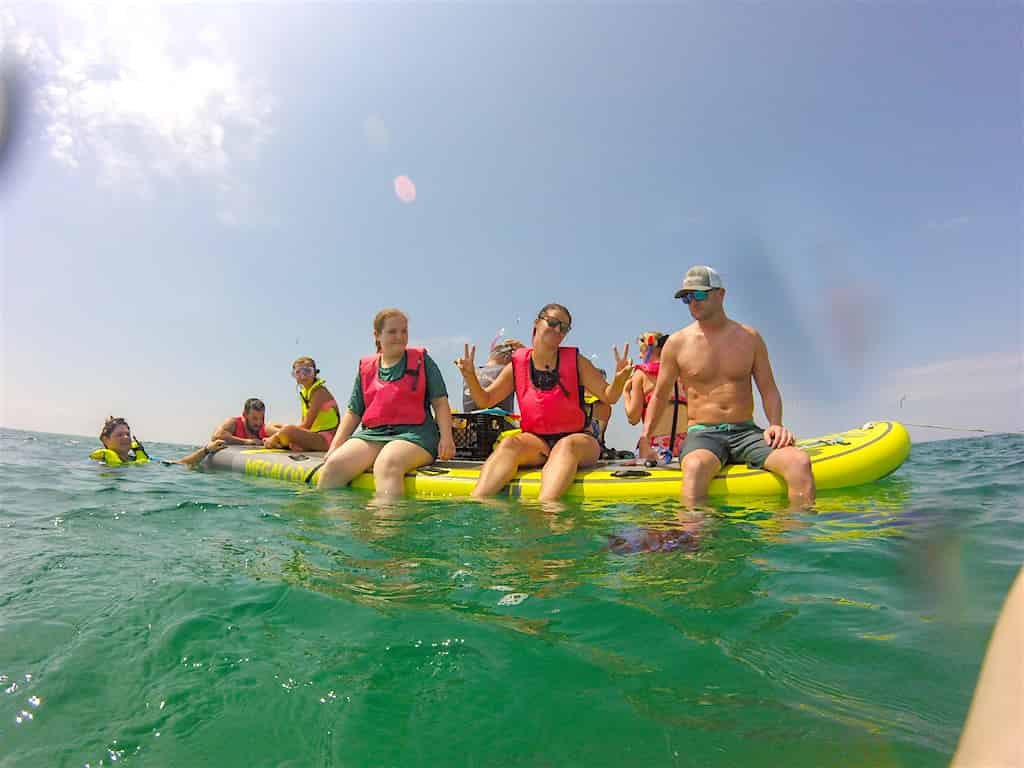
{"points": [[405, 189]]}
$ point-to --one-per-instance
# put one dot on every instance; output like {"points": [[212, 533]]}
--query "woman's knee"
{"points": [[340, 468], [576, 448], [511, 444], [341, 457], [399, 458], [388, 463], [512, 447]]}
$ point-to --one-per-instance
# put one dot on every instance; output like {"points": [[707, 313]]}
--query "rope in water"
{"points": [[966, 429]]}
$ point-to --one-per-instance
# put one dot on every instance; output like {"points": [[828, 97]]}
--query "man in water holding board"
{"points": [[717, 357], [248, 429]]}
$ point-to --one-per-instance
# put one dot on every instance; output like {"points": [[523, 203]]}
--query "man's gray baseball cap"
{"points": [[700, 278]]}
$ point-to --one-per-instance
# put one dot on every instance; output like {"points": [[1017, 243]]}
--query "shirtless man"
{"points": [[717, 357]]}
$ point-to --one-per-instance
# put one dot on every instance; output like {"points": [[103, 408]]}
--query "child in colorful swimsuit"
{"points": [[670, 432], [548, 380]]}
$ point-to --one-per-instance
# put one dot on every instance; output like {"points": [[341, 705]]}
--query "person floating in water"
{"points": [[120, 448], [248, 429], [394, 392], [717, 358], [319, 413], [548, 381]]}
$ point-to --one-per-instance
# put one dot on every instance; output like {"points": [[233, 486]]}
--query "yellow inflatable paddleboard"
{"points": [[841, 460]]}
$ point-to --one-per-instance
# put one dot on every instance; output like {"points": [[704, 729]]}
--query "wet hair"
{"points": [[112, 423], [255, 404], [382, 317]]}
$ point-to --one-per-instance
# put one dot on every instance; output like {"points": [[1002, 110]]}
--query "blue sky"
{"points": [[195, 195]]}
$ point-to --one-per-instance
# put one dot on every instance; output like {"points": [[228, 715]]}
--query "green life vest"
{"points": [[111, 459], [325, 420]]}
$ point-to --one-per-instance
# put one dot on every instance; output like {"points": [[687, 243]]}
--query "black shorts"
{"points": [[593, 429]]}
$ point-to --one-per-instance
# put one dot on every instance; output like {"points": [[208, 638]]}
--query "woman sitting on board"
{"points": [[394, 392], [319, 413], [120, 448], [668, 434], [548, 380]]}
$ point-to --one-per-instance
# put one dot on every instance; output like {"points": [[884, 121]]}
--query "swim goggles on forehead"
{"points": [[695, 296], [554, 322]]}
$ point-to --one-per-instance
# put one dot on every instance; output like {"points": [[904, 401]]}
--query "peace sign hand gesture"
{"points": [[623, 365], [466, 363]]}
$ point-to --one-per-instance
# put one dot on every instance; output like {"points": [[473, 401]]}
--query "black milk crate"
{"points": [[475, 433]]}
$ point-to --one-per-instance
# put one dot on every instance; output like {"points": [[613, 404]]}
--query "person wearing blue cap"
{"points": [[719, 358]]}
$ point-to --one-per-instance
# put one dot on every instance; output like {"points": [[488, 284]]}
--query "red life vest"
{"points": [[554, 411], [394, 402], [242, 432]]}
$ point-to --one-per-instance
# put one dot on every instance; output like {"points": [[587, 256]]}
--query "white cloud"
{"points": [[127, 97]]}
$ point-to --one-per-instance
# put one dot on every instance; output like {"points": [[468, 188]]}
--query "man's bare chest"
{"points": [[729, 358]]}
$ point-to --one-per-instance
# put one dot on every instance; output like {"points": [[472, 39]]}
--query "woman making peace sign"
{"points": [[548, 381]]}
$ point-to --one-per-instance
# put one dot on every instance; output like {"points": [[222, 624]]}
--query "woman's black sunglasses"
{"points": [[554, 322]]}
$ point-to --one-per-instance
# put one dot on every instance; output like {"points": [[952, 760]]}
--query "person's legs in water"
{"points": [[391, 464], [567, 456], [795, 467], [747, 446], [703, 454], [699, 467], [524, 449], [353, 458]]}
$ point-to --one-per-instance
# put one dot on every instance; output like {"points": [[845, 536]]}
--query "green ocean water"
{"points": [[157, 616]]}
